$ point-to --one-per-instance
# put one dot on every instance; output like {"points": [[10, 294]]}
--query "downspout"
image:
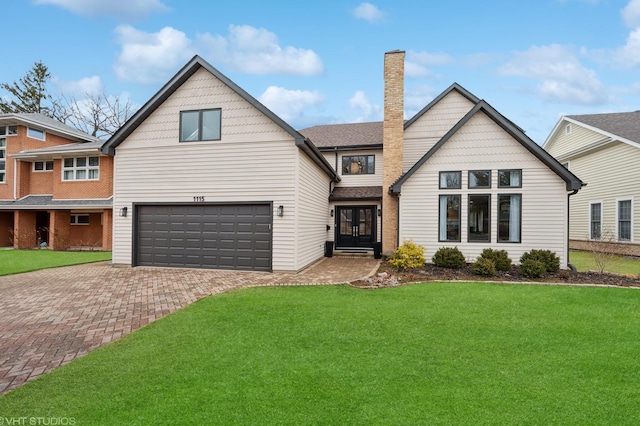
{"points": [[15, 179], [569, 265]]}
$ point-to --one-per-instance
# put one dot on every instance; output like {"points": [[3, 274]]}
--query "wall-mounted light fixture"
{"points": [[280, 211], [123, 212], [379, 212], [331, 212]]}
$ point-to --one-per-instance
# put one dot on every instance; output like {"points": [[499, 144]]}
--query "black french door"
{"points": [[356, 226]]}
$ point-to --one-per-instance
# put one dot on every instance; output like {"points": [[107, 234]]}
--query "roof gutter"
{"points": [[312, 151]]}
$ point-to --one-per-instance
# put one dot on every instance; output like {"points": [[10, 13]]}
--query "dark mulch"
{"points": [[434, 273]]}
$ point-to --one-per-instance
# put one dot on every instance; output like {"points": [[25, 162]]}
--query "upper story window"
{"points": [[81, 168], [480, 179], [509, 178], [358, 164], [200, 125], [35, 133], [8, 130], [3, 155], [450, 180]]}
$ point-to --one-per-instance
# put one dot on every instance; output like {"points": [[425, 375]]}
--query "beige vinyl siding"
{"points": [[312, 212], [480, 145], [432, 126], [254, 161], [610, 174], [578, 138], [363, 179]]}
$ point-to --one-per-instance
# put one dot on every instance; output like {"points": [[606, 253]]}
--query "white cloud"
{"points": [[290, 104], [628, 56], [561, 76], [417, 98], [78, 88], [364, 108], [631, 14], [368, 12], [151, 57], [417, 64], [253, 50], [118, 8]]}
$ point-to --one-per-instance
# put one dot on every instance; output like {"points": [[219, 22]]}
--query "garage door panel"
{"points": [[205, 236]]}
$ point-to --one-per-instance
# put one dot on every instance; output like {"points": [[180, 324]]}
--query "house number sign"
{"points": [[198, 199]]}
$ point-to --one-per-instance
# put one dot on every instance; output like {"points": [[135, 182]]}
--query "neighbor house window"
{"points": [[568, 129], [449, 218], [202, 125], [509, 218], [358, 164], [450, 180], [509, 178], [79, 219], [8, 130], [480, 179], [595, 221], [81, 168], [624, 220], [35, 133], [42, 166], [479, 218], [3, 156]]}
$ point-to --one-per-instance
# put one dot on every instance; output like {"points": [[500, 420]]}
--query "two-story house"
{"points": [[55, 185], [214, 179]]}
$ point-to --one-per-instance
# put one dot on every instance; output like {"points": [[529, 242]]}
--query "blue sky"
{"points": [[321, 62]]}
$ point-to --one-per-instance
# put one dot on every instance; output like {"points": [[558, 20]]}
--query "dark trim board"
{"points": [[234, 235]]}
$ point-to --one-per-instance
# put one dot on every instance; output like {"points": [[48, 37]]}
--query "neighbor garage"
{"points": [[215, 236]]}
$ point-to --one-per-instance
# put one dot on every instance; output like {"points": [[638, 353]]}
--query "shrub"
{"points": [[532, 268], [409, 255], [484, 266], [547, 257], [449, 257], [500, 258]]}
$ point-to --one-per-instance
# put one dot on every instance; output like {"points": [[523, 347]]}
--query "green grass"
{"points": [[583, 261], [18, 261], [429, 354]]}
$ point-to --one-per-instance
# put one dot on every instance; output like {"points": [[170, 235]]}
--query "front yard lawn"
{"points": [[583, 261], [438, 353], [18, 261]]}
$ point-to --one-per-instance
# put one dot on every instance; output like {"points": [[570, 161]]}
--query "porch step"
{"points": [[352, 253]]}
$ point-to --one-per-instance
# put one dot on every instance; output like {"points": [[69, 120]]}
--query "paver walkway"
{"points": [[50, 317]]}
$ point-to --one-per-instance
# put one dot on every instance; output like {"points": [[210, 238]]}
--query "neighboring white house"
{"points": [[604, 150], [206, 176]]}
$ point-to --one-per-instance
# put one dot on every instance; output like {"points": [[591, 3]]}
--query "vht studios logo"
{"points": [[42, 421]]}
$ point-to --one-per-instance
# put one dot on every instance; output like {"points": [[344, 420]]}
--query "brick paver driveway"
{"points": [[50, 317]]}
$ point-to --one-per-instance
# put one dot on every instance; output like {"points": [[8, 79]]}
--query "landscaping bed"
{"points": [[430, 272]]}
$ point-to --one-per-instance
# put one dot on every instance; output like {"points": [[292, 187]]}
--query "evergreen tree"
{"points": [[29, 94]]}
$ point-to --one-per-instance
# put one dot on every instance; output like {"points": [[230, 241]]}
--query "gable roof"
{"points": [[572, 181], [620, 126], [455, 86], [195, 64], [48, 124], [351, 135]]}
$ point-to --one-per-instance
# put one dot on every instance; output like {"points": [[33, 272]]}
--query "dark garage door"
{"points": [[217, 236]]}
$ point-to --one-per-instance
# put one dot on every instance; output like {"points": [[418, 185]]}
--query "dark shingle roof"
{"points": [[345, 135], [47, 123], [350, 193], [35, 201], [623, 124]]}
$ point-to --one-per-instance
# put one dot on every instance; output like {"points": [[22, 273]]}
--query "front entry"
{"points": [[356, 227]]}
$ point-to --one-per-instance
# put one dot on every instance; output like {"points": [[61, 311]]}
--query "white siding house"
{"points": [[604, 151], [256, 160]]}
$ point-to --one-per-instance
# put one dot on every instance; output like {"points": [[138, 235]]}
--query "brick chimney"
{"points": [[392, 137]]}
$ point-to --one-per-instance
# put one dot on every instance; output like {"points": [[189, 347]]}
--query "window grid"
{"points": [[43, 166], [595, 220], [3, 155], [624, 220], [79, 219], [81, 168]]}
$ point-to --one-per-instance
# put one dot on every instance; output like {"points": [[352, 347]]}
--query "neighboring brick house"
{"points": [[55, 186], [214, 179]]}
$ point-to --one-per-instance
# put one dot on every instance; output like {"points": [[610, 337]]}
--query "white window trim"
{"points": [[6, 128], [4, 161], [601, 218], [44, 134], [86, 168], [568, 129], [44, 165], [617, 217], [74, 219]]}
